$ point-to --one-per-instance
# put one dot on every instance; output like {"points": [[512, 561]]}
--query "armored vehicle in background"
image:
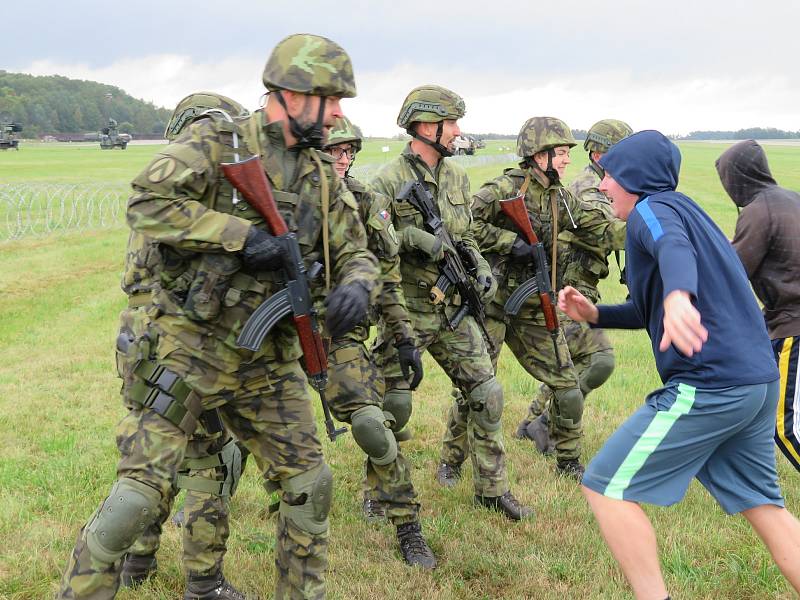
{"points": [[8, 133], [110, 138], [466, 144]]}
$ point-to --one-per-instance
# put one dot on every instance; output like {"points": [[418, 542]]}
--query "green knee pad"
{"points": [[372, 435], [228, 464], [398, 403], [598, 371], [310, 495], [127, 511], [486, 405], [569, 405]]}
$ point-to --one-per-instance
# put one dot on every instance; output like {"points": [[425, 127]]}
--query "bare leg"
{"points": [[632, 540], [780, 531]]}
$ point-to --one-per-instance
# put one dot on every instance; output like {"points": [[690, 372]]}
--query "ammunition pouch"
{"points": [[162, 391], [209, 286]]}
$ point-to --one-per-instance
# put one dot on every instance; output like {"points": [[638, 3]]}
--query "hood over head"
{"points": [[644, 163], [743, 171]]}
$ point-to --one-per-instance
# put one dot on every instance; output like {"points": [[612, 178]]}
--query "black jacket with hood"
{"points": [[767, 237]]}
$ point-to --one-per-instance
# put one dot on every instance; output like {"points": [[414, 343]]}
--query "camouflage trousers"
{"points": [[267, 406], [206, 527], [532, 345], [354, 381], [463, 355], [583, 342]]}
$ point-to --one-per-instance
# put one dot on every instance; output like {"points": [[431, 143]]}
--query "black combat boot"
{"points": [[136, 568], [570, 468], [178, 518], [522, 430], [414, 548], [539, 431], [506, 504], [374, 511], [448, 475], [211, 587]]}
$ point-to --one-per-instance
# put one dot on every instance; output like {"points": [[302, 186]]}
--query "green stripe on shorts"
{"points": [[649, 441]]}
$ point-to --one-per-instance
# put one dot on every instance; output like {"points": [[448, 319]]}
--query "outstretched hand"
{"points": [[575, 305], [682, 326]]}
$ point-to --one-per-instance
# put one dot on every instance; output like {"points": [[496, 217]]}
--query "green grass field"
{"points": [[59, 303]]}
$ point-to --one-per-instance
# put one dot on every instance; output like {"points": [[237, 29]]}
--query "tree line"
{"points": [[54, 105]]}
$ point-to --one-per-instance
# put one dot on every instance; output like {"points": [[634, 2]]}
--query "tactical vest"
{"points": [[229, 295]]}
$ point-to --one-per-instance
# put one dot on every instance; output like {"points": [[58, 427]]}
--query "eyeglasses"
{"points": [[338, 153]]}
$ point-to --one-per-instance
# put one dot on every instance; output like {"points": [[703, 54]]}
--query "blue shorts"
{"points": [[721, 436]]}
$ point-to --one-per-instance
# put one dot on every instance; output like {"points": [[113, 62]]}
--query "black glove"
{"points": [[521, 251], [262, 251], [410, 360], [347, 307]]}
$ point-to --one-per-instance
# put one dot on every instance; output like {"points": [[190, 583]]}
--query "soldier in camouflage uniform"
{"points": [[430, 114], [355, 384], [544, 144], [213, 460], [218, 264], [585, 264]]}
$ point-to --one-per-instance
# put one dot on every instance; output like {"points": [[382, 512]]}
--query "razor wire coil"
{"points": [[41, 209]]}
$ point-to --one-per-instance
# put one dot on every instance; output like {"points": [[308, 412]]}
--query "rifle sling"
{"points": [[554, 250], [325, 193]]}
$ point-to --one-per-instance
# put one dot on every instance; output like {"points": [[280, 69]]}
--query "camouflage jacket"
{"points": [[182, 201], [141, 262], [375, 211], [586, 260], [449, 185], [496, 233]]}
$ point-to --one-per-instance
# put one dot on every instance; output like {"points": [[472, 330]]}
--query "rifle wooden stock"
{"points": [[249, 178], [515, 209]]}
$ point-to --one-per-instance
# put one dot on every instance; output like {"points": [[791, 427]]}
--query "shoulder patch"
{"points": [[161, 169]]}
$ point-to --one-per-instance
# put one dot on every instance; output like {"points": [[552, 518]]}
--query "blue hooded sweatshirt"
{"points": [[672, 244]]}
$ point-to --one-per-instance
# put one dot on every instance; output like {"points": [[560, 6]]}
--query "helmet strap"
{"points": [[436, 145], [596, 167], [551, 173], [310, 136]]}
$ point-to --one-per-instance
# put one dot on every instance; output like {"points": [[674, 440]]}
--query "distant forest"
{"points": [[751, 133], [56, 105]]}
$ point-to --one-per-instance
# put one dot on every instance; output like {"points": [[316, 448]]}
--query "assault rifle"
{"points": [[515, 209], [451, 268], [248, 177]]}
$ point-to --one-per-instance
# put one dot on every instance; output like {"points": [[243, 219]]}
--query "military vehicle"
{"points": [[8, 133], [466, 144], [110, 138]]}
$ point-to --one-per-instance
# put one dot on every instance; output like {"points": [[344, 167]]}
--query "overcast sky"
{"points": [[677, 66]]}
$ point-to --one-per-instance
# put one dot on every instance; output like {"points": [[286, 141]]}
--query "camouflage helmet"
{"points": [[430, 104], [310, 64], [344, 132], [543, 133], [604, 134], [196, 104]]}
